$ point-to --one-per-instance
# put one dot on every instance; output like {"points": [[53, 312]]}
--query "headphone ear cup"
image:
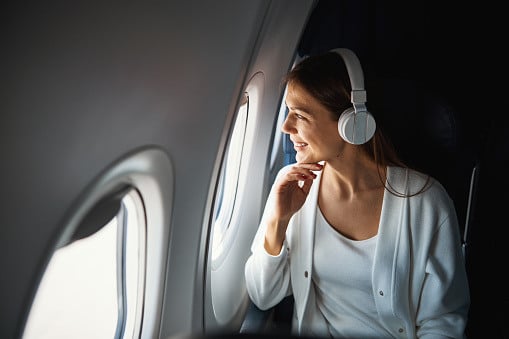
{"points": [[356, 128]]}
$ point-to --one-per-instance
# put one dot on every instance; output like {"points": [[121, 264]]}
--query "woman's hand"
{"points": [[291, 191]]}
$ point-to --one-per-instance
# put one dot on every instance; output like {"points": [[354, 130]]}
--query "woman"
{"points": [[368, 247]]}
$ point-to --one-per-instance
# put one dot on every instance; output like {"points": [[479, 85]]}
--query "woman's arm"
{"points": [[445, 297], [267, 276], [267, 270]]}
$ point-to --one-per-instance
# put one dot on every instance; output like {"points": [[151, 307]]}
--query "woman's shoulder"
{"points": [[413, 182], [426, 194], [406, 178]]}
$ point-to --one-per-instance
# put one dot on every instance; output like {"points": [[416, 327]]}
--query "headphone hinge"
{"points": [[358, 96]]}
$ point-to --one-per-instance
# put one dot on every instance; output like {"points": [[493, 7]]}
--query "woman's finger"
{"points": [[306, 186]]}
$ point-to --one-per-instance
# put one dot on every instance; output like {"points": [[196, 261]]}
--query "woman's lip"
{"points": [[299, 145]]}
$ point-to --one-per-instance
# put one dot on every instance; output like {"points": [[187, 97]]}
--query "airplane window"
{"points": [[282, 149], [234, 208], [229, 179], [93, 287], [277, 152]]}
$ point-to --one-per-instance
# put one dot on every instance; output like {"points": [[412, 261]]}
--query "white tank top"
{"points": [[342, 277]]}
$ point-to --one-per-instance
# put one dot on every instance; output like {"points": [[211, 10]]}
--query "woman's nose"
{"points": [[287, 126]]}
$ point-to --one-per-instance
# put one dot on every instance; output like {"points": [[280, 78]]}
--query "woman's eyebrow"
{"points": [[297, 108]]}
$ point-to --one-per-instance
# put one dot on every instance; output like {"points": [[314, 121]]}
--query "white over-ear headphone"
{"points": [[355, 125]]}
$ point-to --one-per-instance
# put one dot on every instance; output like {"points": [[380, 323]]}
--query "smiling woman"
{"points": [[306, 123], [344, 199]]}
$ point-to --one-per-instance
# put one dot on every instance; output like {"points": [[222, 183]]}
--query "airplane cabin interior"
{"points": [[152, 131]]}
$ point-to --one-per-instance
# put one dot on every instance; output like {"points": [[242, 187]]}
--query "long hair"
{"points": [[325, 77]]}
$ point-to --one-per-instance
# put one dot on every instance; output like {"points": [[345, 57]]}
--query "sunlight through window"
{"points": [[229, 179], [84, 285]]}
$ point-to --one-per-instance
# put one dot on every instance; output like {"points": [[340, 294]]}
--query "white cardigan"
{"points": [[419, 279]]}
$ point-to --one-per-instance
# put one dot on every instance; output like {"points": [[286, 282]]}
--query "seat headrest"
{"points": [[428, 134], [417, 120]]}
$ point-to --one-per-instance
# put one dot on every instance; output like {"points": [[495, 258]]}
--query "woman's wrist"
{"points": [[275, 236]]}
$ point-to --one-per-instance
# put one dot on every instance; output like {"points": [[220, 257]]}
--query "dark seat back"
{"points": [[430, 135]]}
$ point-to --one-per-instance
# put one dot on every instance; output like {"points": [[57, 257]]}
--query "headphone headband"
{"points": [[355, 125], [354, 68]]}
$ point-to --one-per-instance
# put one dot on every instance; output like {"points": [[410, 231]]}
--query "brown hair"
{"points": [[326, 78]]}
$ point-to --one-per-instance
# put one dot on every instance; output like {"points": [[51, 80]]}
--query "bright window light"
{"points": [[78, 296], [229, 180]]}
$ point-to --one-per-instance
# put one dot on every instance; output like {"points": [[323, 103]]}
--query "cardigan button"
{"points": [[400, 330], [381, 293], [305, 274]]}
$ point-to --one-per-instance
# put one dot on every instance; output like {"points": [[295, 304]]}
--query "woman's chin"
{"points": [[302, 159]]}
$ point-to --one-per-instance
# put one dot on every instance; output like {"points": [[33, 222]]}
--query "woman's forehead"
{"points": [[299, 99], [297, 94]]}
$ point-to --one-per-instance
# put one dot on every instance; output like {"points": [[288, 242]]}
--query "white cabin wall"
{"points": [[183, 309], [272, 57], [86, 83]]}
